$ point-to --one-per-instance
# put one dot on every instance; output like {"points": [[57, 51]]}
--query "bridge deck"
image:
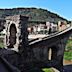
{"points": [[50, 36]]}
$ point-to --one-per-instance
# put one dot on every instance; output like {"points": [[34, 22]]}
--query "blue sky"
{"points": [[61, 7]]}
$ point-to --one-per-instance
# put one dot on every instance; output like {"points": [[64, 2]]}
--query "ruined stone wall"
{"points": [[33, 56], [16, 32]]}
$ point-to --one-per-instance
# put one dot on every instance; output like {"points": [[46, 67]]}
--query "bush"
{"points": [[68, 55], [69, 45]]}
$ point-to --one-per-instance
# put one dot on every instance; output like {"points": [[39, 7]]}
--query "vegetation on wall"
{"points": [[1, 43]]}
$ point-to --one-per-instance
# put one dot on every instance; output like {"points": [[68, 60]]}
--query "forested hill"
{"points": [[33, 13]]}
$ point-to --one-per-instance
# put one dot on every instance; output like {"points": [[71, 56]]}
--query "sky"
{"points": [[61, 7]]}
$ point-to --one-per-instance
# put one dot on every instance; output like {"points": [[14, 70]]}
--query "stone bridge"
{"points": [[21, 55], [56, 43]]}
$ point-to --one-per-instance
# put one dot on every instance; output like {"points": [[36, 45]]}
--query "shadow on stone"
{"points": [[68, 68]]}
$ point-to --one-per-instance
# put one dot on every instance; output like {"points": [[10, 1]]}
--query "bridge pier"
{"points": [[57, 45]]}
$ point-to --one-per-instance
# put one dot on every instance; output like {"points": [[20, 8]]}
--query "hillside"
{"points": [[33, 13]]}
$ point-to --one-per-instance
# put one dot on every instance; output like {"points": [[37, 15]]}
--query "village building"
{"points": [[62, 25]]}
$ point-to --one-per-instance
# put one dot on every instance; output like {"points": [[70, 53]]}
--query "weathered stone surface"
{"points": [[16, 32], [41, 49], [32, 57], [16, 39]]}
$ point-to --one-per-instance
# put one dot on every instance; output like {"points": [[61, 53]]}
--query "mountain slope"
{"points": [[34, 14]]}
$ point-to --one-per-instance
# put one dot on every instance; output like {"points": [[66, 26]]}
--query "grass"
{"points": [[47, 70]]}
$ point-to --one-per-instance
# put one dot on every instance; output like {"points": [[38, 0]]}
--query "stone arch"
{"points": [[12, 37], [12, 43], [18, 39]]}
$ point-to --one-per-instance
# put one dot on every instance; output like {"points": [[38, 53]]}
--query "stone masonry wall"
{"points": [[18, 23]]}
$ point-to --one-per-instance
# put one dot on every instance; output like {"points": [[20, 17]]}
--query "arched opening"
{"points": [[12, 37], [49, 54], [52, 53]]}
